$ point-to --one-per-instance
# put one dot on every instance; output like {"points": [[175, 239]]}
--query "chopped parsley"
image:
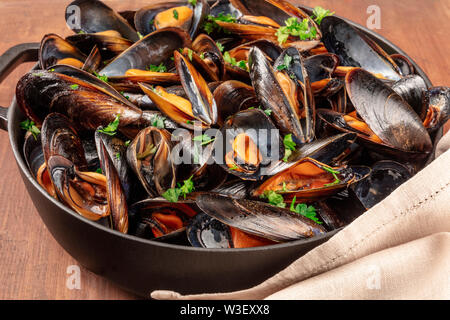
{"points": [[305, 210], [220, 46], [140, 35], [158, 122], [204, 139], [175, 14], [211, 26], [202, 56], [174, 194], [103, 78], [297, 29], [334, 173], [287, 63], [319, 13], [289, 147], [99, 170], [127, 143], [193, 2], [274, 199], [160, 68], [31, 127], [190, 54], [189, 122], [74, 87], [123, 93], [111, 129], [241, 64], [118, 155]]}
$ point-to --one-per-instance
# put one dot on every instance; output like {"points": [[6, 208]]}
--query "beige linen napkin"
{"points": [[400, 249]]}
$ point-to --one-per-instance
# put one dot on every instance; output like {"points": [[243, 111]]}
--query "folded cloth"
{"points": [[400, 249]]}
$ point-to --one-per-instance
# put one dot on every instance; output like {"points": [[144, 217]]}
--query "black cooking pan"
{"points": [[140, 265]]}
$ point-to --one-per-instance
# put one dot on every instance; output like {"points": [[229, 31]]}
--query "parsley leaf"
{"points": [[140, 35], [127, 143], [190, 54], [74, 87], [111, 129], [305, 210], [268, 112], [287, 63], [160, 68], [297, 29], [103, 78], [99, 170], [319, 13], [193, 2], [220, 46], [30, 126], [204, 139], [241, 64], [334, 173], [274, 199], [158, 122], [289, 146], [174, 194], [211, 25], [175, 14]]}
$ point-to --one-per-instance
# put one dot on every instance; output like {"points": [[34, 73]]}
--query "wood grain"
{"points": [[32, 264]]}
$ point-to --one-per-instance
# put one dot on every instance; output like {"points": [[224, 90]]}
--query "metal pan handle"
{"points": [[11, 59]]}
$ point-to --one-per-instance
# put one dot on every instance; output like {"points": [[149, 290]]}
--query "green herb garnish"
{"points": [[140, 35], [190, 54], [235, 167], [241, 64], [127, 143], [268, 112], [193, 2], [296, 29], [74, 87], [287, 63], [31, 127], [174, 194], [99, 170], [289, 147], [160, 68], [111, 129], [175, 14], [123, 93], [334, 173], [220, 46], [204, 139], [202, 56], [319, 13], [274, 199], [103, 78], [211, 25], [305, 210], [189, 122], [158, 122]]}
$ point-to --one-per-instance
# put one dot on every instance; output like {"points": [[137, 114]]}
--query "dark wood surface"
{"points": [[32, 264]]}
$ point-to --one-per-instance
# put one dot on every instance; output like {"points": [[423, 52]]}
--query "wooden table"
{"points": [[32, 264]]}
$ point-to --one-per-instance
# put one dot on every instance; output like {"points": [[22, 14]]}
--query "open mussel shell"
{"points": [[204, 106], [386, 176], [149, 155], [160, 219], [311, 180], [438, 112], [355, 49], [117, 200], [331, 151], [247, 144], [60, 138], [117, 151], [405, 65], [34, 157], [154, 49], [56, 50], [233, 96], [412, 89], [210, 56], [92, 16], [258, 218], [272, 96], [84, 192], [88, 107], [206, 232], [109, 44], [386, 113]]}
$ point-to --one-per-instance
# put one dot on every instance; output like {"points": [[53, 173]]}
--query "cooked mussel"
{"points": [[258, 218], [92, 16], [149, 155], [438, 112], [311, 180], [56, 50], [159, 218]]}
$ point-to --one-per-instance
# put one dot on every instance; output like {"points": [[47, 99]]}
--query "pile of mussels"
{"points": [[223, 124]]}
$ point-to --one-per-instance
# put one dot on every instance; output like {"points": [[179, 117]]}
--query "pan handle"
{"points": [[10, 60]]}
